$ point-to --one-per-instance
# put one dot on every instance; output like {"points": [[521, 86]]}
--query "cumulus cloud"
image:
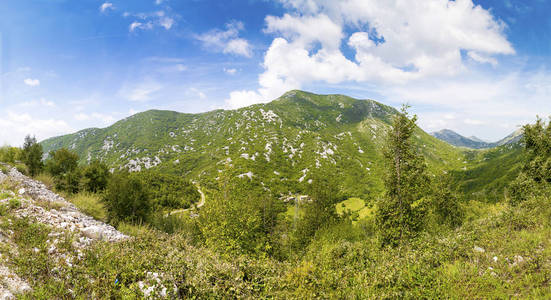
{"points": [[393, 42], [227, 41], [16, 125], [106, 6], [31, 82]]}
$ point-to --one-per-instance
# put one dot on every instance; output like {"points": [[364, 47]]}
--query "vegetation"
{"points": [[32, 155], [312, 218]]}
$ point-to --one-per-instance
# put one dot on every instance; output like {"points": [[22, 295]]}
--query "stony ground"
{"points": [[41, 205]]}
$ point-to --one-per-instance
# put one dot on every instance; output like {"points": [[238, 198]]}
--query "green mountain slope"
{"points": [[279, 143]]}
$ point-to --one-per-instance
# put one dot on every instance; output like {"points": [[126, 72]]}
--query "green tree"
{"points": [[9, 154], [400, 213], [320, 211], [63, 166], [32, 155], [446, 205], [535, 175], [96, 176], [126, 199], [169, 191], [239, 216]]}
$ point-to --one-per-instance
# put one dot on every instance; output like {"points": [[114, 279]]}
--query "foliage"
{"points": [[90, 204], [400, 213], [126, 199], [169, 191], [536, 172], [10, 154], [96, 176], [63, 166], [239, 217], [32, 155], [320, 212], [446, 204]]}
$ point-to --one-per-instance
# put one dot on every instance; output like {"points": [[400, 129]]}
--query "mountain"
{"points": [[458, 140], [512, 138], [280, 144], [473, 142]]}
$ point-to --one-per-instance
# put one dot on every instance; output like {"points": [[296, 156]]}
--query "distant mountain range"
{"points": [[455, 139]]}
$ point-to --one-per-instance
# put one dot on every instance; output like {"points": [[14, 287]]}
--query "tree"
{"points": [[446, 204], [96, 176], [63, 166], [320, 212], [32, 155], [126, 199], [400, 213], [238, 217], [169, 191], [535, 174]]}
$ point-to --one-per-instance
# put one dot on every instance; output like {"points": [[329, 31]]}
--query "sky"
{"points": [[480, 68]]}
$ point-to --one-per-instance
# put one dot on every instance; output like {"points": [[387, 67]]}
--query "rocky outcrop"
{"points": [[37, 203]]}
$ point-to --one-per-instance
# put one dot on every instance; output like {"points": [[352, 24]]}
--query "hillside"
{"points": [[453, 138], [458, 140], [279, 143]]}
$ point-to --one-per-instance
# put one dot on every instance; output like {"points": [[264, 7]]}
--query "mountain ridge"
{"points": [[453, 138], [280, 143]]}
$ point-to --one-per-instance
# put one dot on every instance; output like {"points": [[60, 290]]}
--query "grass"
{"points": [[47, 179], [90, 204]]}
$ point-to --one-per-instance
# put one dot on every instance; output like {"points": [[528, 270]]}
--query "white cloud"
{"points": [[395, 42], [151, 20], [227, 41], [166, 22], [32, 82], [469, 121], [199, 93], [138, 25], [141, 92], [104, 119], [40, 102], [106, 6], [230, 71], [16, 125]]}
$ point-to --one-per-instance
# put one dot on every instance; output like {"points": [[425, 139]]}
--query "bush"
{"points": [[32, 155], [169, 191], [63, 165], [90, 204], [96, 176], [126, 199]]}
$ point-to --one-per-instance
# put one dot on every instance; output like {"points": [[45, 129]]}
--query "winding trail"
{"points": [[199, 205]]}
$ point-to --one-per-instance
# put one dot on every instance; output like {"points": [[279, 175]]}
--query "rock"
{"points": [[478, 249], [21, 191], [93, 232]]}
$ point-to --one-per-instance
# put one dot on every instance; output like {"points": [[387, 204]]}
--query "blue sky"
{"points": [[480, 68]]}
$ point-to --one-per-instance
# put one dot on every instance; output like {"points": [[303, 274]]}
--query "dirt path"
{"points": [[199, 205]]}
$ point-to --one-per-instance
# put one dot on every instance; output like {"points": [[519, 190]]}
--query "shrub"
{"points": [[96, 176], [126, 199], [63, 165], [90, 204], [32, 155]]}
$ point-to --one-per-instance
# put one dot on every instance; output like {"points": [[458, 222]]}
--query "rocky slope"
{"points": [[280, 143], [30, 200]]}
